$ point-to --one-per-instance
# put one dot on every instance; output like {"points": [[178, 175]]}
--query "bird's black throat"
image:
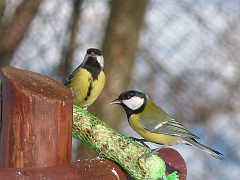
{"points": [[93, 66]]}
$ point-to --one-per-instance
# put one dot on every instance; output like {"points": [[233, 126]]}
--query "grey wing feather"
{"points": [[169, 127], [70, 77]]}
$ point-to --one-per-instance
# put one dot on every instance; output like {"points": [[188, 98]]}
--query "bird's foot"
{"points": [[149, 154], [142, 141]]}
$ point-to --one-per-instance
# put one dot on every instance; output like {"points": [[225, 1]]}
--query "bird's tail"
{"points": [[194, 143]]}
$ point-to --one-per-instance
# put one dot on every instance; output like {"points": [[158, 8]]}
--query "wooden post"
{"points": [[97, 168], [100, 169], [36, 126]]}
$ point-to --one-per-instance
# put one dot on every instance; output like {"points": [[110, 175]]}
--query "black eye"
{"points": [[129, 96], [99, 53]]}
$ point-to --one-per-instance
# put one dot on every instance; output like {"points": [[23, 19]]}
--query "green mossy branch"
{"points": [[110, 144]]}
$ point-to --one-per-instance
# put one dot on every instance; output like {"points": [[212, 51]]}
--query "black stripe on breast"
{"points": [[89, 91]]}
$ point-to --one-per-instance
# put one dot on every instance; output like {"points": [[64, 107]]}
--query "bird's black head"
{"points": [[94, 51], [94, 58], [132, 101], [93, 62]]}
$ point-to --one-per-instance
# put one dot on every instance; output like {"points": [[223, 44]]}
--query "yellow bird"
{"points": [[87, 80], [155, 125]]}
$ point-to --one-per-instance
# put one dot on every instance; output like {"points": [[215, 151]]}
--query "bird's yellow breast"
{"points": [[86, 89], [150, 136]]}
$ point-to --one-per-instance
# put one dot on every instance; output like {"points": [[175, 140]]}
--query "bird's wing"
{"points": [[70, 77], [172, 127], [160, 122]]}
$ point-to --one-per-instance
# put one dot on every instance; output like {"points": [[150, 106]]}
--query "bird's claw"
{"points": [[149, 154]]}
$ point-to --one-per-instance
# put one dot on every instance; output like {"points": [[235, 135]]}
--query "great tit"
{"points": [[88, 79], [155, 125]]}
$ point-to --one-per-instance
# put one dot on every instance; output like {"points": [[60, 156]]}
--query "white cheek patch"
{"points": [[100, 59], [134, 102]]}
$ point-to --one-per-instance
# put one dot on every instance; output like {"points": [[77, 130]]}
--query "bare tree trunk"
{"points": [[64, 68], [2, 8], [119, 48], [12, 35]]}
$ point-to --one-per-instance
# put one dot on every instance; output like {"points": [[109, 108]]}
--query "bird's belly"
{"points": [[87, 90], [164, 139], [97, 87]]}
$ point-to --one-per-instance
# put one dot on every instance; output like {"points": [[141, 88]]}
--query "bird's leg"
{"points": [[153, 151], [142, 141]]}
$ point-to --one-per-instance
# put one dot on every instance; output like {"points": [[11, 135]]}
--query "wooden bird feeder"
{"points": [[36, 133]]}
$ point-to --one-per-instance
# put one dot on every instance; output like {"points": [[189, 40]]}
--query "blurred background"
{"points": [[184, 54]]}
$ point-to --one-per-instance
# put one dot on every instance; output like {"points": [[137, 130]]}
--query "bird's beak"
{"points": [[92, 54], [116, 101]]}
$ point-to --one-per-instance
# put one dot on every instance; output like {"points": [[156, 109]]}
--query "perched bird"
{"points": [[155, 125], [87, 80]]}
